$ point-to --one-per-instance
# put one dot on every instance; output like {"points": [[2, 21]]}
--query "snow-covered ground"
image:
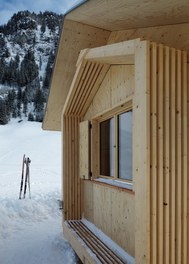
{"points": [[30, 229]]}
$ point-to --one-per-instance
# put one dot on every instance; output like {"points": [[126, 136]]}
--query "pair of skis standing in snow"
{"points": [[25, 177]]}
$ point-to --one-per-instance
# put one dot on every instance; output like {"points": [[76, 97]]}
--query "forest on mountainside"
{"points": [[28, 45]]}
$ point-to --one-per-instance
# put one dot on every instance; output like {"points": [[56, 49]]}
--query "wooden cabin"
{"points": [[119, 94]]}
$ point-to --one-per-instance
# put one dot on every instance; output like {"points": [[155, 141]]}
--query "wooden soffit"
{"points": [[127, 14], [92, 66]]}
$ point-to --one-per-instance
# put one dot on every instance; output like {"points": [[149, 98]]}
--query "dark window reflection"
{"points": [[107, 147]]}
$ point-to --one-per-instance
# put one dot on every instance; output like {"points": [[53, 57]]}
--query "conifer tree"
{"points": [[4, 117], [2, 69], [29, 68], [10, 101], [48, 71], [30, 117], [39, 105], [25, 104]]}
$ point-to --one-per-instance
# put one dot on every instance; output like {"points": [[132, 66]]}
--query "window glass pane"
{"points": [[107, 147], [125, 146]]}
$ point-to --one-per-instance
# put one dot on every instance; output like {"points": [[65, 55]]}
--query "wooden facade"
{"points": [[140, 68]]}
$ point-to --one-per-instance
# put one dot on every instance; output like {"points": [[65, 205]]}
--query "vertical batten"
{"points": [[178, 160], [77, 178], [168, 137], [166, 189], [153, 157], [89, 86], [66, 185], [160, 143], [97, 70], [67, 167], [75, 184], [64, 178], [83, 83], [188, 160], [172, 154], [184, 157], [77, 82], [160, 114], [69, 170], [72, 183], [73, 191]]}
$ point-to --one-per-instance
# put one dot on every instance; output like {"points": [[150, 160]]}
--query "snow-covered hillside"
{"points": [[27, 52], [30, 229]]}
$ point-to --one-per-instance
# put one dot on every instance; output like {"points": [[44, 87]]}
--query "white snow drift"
{"points": [[30, 229]]}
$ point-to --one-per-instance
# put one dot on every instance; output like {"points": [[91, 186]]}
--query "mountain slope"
{"points": [[27, 52]]}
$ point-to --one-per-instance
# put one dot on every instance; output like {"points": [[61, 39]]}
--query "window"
{"points": [[116, 146], [125, 146], [107, 147]]}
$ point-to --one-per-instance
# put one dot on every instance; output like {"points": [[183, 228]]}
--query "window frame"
{"points": [[115, 113]]}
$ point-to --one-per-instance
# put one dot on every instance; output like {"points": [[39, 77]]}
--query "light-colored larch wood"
{"points": [[166, 189], [120, 14], [158, 99], [122, 53], [178, 160], [93, 87], [184, 157], [84, 166], [80, 92], [75, 37], [140, 152], [95, 149], [171, 35], [116, 89], [160, 169], [153, 162], [172, 152]]}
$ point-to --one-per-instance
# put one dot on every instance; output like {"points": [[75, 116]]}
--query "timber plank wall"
{"points": [[168, 155], [160, 159]]}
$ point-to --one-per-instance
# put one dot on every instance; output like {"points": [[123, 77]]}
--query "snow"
{"points": [[30, 229]]}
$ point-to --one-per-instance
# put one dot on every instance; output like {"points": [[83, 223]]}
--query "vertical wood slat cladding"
{"points": [[168, 158], [185, 159], [72, 183]]}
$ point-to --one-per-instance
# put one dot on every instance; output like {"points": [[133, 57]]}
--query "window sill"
{"points": [[124, 186]]}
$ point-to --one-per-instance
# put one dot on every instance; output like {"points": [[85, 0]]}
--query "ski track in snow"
{"points": [[30, 229]]}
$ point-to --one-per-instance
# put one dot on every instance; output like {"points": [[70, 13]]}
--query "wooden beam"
{"points": [[120, 53], [141, 159]]}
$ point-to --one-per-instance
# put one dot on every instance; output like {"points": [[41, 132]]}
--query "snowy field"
{"points": [[30, 229]]}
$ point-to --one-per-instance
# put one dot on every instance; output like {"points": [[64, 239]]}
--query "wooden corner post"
{"points": [[141, 152]]}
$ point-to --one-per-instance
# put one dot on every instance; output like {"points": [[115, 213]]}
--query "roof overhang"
{"points": [[89, 26], [127, 14]]}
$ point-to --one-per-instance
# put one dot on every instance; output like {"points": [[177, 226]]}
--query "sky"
{"points": [[9, 7]]}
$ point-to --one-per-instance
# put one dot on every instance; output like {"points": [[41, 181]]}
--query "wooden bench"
{"points": [[87, 245]]}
